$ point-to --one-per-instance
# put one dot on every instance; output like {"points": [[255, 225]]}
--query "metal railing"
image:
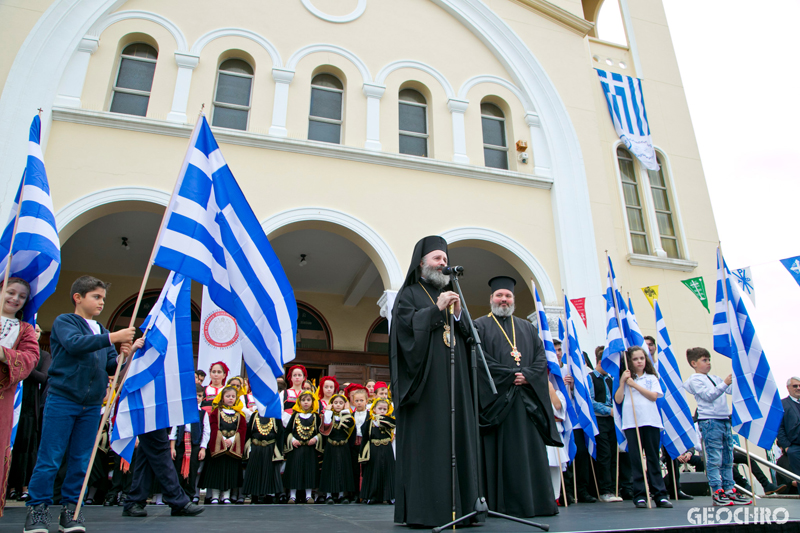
{"points": [[766, 463]]}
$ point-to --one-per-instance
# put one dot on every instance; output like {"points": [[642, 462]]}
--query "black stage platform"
{"points": [[356, 518]]}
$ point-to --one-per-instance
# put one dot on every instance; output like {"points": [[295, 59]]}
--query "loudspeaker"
{"points": [[695, 483]]}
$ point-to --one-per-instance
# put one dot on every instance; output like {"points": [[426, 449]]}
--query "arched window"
{"points": [[378, 337], [413, 123], [232, 97], [312, 330], [666, 227], [325, 117], [495, 149], [137, 65], [633, 202]]}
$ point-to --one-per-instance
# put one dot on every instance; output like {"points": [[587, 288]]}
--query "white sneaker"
{"points": [[609, 498]]}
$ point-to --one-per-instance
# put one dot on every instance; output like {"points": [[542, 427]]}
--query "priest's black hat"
{"points": [[502, 282], [433, 243]]}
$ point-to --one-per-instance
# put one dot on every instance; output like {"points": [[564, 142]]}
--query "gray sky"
{"points": [[737, 61]]}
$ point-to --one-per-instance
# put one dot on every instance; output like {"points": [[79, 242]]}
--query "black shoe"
{"points": [[268, 500], [626, 494], [683, 496], [13, 495], [189, 509], [24, 497], [282, 499], [640, 504], [586, 498], [664, 503], [345, 501], [111, 499], [137, 510], [329, 500], [68, 522], [38, 519], [122, 497], [772, 488]]}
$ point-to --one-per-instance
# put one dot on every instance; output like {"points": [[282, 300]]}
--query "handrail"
{"points": [[766, 463]]}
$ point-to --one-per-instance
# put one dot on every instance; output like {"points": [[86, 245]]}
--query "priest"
{"points": [[517, 423], [419, 354]]}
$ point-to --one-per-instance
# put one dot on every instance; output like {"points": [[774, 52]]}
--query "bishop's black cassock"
{"points": [[518, 422], [420, 368]]}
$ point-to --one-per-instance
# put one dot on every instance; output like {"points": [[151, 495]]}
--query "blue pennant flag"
{"points": [[678, 434], [757, 410], [159, 391], [213, 237], [17, 410], [792, 264], [36, 248], [580, 374], [556, 377]]}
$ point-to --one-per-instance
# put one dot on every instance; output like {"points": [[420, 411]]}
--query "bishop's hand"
{"points": [[447, 298]]}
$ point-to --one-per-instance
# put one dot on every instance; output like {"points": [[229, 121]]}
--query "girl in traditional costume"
{"points": [[337, 468], [262, 477], [228, 424], [295, 377], [301, 445], [376, 454], [218, 373], [328, 386]]}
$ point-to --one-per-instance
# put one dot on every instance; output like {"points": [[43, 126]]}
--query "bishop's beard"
{"points": [[498, 310], [435, 277]]}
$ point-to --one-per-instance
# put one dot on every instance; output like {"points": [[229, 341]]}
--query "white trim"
{"points": [[70, 87], [101, 25], [627, 21], [280, 103], [291, 64], [676, 210], [206, 38], [323, 214], [374, 93], [477, 80], [457, 109], [487, 235], [666, 263], [418, 65], [336, 19]]}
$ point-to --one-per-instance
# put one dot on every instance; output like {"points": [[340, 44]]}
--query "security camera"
{"points": [[523, 158]]}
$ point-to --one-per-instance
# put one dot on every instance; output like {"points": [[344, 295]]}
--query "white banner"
{"points": [[220, 339]]}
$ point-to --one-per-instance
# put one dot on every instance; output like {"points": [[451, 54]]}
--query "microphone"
{"points": [[457, 270]]}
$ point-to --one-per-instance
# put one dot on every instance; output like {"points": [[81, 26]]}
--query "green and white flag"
{"points": [[698, 288]]}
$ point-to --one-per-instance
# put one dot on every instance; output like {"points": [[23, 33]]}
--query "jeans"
{"points": [[718, 445], [67, 427]]}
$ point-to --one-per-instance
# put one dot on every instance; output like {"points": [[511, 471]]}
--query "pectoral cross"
{"points": [[516, 355]]}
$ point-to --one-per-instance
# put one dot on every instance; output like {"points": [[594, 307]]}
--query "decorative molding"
{"points": [[418, 65], [476, 80], [457, 106], [336, 19], [666, 263], [366, 77], [562, 16], [206, 38], [89, 44], [159, 127], [282, 75], [324, 214], [533, 120], [488, 235], [100, 26], [186, 60], [373, 90]]}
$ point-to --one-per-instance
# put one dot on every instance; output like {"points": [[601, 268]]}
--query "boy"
{"points": [[83, 358], [197, 434], [714, 420], [199, 376], [382, 390]]}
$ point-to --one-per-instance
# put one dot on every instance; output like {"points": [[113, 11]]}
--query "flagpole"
{"points": [[616, 493], [594, 475], [110, 406], [623, 363], [641, 457], [674, 477], [730, 343], [561, 473]]}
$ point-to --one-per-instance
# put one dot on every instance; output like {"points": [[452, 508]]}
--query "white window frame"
{"points": [[505, 134], [238, 107], [414, 133], [658, 257], [314, 118], [125, 90]]}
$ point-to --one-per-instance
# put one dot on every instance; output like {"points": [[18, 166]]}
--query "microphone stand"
{"points": [[481, 507]]}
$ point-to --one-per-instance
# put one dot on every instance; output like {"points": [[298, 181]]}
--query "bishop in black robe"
{"points": [[420, 372], [518, 422]]}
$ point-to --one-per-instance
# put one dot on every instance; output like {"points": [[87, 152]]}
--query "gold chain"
{"points": [[230, 419], [264, 430], [304, 432], [513, 331]]}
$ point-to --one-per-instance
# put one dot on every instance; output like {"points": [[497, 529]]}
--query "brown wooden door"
{"points": [[348, 373]]}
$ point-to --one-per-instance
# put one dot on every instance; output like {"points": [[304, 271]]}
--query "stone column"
{"points": [[71, 86], [180, 98]]}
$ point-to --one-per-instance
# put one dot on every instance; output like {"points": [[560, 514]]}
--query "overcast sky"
{"points": [[737, 60]]}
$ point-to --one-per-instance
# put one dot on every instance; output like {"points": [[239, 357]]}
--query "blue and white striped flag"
{"points": [[626, 105], [36, 248], [632, 331], [159, 391], [212, 236], [757, 409], [679, 434], [614, 352], [17, 410], [577, 367], [561, 332], [556, 377]]}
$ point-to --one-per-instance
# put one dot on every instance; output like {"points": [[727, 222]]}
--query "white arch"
{"points": [[476, 80], [84, 204], [487, 235], [206, 38], [100, 26], [347, 54], [340, 19], [380, 79], [322, 214]]}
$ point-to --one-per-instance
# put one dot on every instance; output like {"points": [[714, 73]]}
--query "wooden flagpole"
{"points": [[594, 475], [120, 364], [617, 446], [674, 477], [563, 485], [641, 457]]}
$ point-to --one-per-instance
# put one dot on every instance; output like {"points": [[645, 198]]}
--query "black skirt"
{"points": [[377, 482], [26, 449], [301, 468], [262, 475], [222, 472], [337, 470]]}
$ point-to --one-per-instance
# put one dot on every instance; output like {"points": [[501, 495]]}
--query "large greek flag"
{"points": [[17, 410], [626, 105], [556, 377], [36, 249], [212, 236], [159, 391], [757, 409], [577, 367], [678, 434]]}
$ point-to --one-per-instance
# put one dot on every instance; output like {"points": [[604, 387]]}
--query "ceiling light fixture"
{"points": [[303, 261], [125, 243]]}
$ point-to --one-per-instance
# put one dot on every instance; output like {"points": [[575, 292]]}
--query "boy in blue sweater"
{"points": [[83, 358]]}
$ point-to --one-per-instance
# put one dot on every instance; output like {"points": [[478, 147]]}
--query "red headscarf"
{"points": [[381, 385], [289, 374], [224, 369], [353, 387], [322, 382]]}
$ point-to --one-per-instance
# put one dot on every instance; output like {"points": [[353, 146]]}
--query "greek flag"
{"points": [[159, 391], [626, 105], [577, 367], [36, 249], [614, 352], [17, 409], [555, 375], [631, 328], [212, 236], [561, 333], [757, 409], [678, 434]]}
